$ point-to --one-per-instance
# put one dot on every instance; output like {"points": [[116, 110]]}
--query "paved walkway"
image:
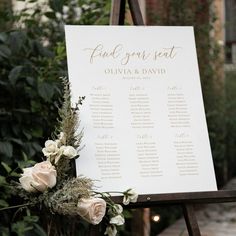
{"points": [[214, 219]]}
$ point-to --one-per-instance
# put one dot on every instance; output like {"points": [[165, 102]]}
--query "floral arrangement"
{"points": [[52, 182]]}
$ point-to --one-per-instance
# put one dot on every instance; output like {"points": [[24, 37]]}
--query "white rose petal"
{"points": [[39, 177], [118, 208], [27, 181], [130, 196], [117, 220], [111, 230], [69, 152], [133, 195], [92, 209], [51, 149]]}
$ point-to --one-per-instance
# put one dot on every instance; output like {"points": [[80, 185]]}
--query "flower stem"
{"points": [[17, 206]]}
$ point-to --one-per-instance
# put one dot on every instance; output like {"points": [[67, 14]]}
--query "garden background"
{"points": [[32, 60]]}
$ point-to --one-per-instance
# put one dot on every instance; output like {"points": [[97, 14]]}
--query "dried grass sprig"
{"points": [[64, 201], [69, 119]]}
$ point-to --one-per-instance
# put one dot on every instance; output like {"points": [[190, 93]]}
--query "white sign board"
{"points": [[143, 116]]}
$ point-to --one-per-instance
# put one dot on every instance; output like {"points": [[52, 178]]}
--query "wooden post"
{"points": [[117, 12], [94, 230], [136, 12], [191, 220]]}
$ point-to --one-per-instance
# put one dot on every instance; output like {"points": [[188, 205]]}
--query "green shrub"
{"points": [[32, 60]]}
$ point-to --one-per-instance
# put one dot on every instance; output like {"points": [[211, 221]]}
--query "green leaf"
{"points": [[14, 74], [45, 90], [15, 140], [3, 203], [6, 148], [2, 180], [6, 167], [50, 15], [27, 134], [4, 51], [56, 5], [21, 227], [29, 149], [36, 146], [30, 80], [37, 132], [40, 230], [16, 41], [21, 110], [31, 218], [3, 37]]}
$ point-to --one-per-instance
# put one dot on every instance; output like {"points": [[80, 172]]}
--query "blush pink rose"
{"points": [[92, 209], [39, 177]]}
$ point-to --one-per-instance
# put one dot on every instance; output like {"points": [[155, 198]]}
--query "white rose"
{"points": [[116, 209], [39, 177], [69, 151], [110, 230], [130, 196], [117, 220], [92, 209], [51, 149]]}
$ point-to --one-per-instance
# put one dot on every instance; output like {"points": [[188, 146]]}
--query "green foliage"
{"points": [[201, 15], [230, 86], [32, 59]]}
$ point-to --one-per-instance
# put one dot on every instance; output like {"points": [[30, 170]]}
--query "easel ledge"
{"points": [[181, 198]]}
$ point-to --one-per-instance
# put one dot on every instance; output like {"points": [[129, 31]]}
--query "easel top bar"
{"points": [[178, 198]]}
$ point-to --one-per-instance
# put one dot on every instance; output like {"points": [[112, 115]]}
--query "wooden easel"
{"points": [[186, 200]]}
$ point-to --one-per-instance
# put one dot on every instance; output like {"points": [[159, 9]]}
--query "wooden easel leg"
{"points": [[117, 12], [94, 230], [191, 220], [136, 12]]}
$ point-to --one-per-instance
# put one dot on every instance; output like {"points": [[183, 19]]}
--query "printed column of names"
{"points": [[148, 158], [180, 121], [108, 157], [146, 146], [101, 108], [107, 152]]}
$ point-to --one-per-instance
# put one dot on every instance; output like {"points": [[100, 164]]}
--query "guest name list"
{"points": [[143, 115]]}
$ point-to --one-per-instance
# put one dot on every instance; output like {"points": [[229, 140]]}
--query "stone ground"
{"points": [[213, 219]]}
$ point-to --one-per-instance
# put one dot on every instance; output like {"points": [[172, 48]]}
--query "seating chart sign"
{"points": [[143, 115]]}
